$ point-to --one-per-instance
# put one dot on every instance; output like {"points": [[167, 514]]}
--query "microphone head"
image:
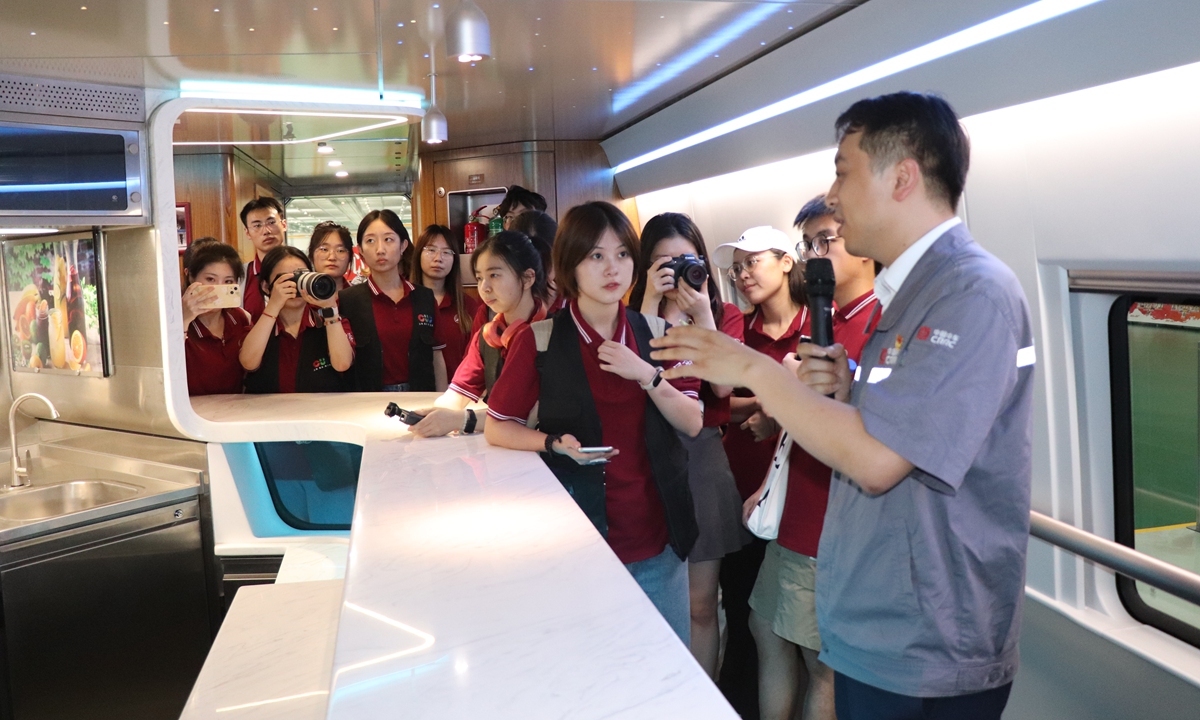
{"points": [[818, 277]]}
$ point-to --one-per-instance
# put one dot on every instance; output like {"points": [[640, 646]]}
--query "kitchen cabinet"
{"points": [[107, 621]]}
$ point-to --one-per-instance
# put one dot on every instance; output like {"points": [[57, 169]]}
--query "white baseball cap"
{"points": [[756, 239]]}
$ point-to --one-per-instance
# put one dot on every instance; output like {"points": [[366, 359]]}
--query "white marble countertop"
{"points": [[475, 587]]}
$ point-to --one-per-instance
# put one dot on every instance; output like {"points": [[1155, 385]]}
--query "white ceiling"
{"points": [[561, 69]]}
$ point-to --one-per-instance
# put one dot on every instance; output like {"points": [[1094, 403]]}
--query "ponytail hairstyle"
{"points": [[796, 288], [393, 221], [205, 252], [453, 281], [664, 227], [519, 253], [580, 230], [273, 257]]}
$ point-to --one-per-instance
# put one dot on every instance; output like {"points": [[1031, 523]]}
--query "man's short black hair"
{"points": [[813, 209], [911, 125], [262, 203], [518, 195]]}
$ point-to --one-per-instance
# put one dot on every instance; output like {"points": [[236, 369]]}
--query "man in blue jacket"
{"points": [[921, 563]]}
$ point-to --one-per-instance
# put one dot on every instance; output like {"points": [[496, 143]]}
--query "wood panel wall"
{"points": [[566, 172]]}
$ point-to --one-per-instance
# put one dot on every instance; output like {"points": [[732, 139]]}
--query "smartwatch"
{"points": [[469, 424], [654, 381], [329, 314]]}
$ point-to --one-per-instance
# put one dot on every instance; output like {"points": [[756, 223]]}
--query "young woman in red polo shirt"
{"points": [[392, 319], [331, 251], [299, 343], [595, 387], [512, 283], [213, 336], [436, 267], [766, 271], [714, 491]]}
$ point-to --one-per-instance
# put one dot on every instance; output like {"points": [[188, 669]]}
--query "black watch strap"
{"points": [[471, 420], [550, 440], [327, 312]]}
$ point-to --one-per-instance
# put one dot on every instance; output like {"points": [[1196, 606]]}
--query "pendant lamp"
{"points": [[433, 126], [468, 35]]}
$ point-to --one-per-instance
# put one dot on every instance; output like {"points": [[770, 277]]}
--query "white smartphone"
{"points": [[605, 449], [226, 296]]}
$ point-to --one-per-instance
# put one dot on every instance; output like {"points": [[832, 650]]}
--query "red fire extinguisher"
{"points": [[475, 231]]}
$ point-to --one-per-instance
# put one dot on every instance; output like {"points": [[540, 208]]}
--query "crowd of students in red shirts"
{"points": [[665, 469]]}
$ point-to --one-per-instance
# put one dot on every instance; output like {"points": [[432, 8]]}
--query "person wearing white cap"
{"points": [[764, 267]]}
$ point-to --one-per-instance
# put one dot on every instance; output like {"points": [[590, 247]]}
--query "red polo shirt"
{"points": [[469, 380], [213, 367], [637, 527], [749, 459], [252, 297], [448, 333], [716, 410], [289, 347], [394, 325], [808, 480]]}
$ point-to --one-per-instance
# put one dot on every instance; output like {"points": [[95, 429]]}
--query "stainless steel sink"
{"points": [[37, 503]]}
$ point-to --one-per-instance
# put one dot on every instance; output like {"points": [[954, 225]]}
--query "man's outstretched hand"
{"points": [[706, 354]]}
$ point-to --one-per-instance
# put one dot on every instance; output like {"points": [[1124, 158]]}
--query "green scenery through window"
{"points": [[1164, 364]]}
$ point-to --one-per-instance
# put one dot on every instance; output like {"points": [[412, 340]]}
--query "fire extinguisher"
{"points": [[475, 231]]}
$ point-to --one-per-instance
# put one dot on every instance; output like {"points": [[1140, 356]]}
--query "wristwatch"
{"points": [[469, 424], [654, 381], [550, 440], [329, 314]]}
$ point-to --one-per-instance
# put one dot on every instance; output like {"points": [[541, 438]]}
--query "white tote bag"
{"points": [[764, 519]]}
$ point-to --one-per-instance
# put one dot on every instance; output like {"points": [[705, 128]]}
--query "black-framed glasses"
{"points": [[818, 245]]}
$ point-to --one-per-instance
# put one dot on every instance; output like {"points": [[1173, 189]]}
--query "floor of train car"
{"points": [[1164, 363]]}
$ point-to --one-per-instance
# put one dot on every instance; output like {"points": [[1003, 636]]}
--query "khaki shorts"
{"points": [[785, 594]]}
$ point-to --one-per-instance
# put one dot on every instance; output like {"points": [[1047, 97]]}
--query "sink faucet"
{"points": [[17, 473]]}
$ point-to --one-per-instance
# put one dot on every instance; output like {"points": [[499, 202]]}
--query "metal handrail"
{"points": [[1117, 557]]}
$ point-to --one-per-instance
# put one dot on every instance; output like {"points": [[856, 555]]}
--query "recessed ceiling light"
{"points": [[341, 173], [33, 33], [251, 29], [216, 9], [399, 42], [335, 28], [399, 24], [83, 8], [335, 163], [324, 149]]}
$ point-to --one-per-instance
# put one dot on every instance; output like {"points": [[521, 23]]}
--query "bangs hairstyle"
{"points": [[581, 228], [520, 254], [664, 227], [393, 221], [206, 251], [911, 125], [322, 230], [275, 256], [453, 281]]}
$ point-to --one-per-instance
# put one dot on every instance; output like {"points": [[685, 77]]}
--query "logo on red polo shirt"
{"points": [[321, 364], [423, 319]]}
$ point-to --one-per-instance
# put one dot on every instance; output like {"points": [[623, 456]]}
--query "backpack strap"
{"points": [[658, 326], [541, 334]]}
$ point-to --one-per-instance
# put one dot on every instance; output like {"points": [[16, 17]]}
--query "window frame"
{"points": [[1122, 457], [286, 515]]}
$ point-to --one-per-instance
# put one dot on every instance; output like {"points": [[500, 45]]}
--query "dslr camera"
{"points": [[690, 269], [317, 285]]}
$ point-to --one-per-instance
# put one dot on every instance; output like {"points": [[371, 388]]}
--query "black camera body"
{"points": [[689, 268], [317, 285], [408, 417]]}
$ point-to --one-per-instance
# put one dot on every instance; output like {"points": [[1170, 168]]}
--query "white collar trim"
{"points": [[891, 278]]}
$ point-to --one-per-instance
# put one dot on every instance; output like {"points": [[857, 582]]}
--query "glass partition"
{"points": [[312, 484]]}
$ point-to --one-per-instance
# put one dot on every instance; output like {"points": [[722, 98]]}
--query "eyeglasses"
{"points": [[258, 225], [434, 252], [818, 245], [338, 250], [751, 263]]}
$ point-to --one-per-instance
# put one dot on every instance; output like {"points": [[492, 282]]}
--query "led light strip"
{"points": [[60, 187], [388, 121], [262, 92], [1000, 26]]}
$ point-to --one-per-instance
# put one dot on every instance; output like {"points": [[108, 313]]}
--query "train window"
{"points": [[312, 484], [1154, 349]]}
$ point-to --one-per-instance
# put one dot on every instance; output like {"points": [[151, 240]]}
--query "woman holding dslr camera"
{"points": [[678, 288], [299, 343]]}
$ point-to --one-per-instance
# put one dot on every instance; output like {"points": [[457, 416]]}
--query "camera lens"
{"points": [[317, 285], [695, 274]]}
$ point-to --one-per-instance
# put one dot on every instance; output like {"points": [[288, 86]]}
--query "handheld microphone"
{"points": [[820, 284]]}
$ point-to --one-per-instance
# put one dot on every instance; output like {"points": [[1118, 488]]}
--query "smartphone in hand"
{"points": [[224, 296]]}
